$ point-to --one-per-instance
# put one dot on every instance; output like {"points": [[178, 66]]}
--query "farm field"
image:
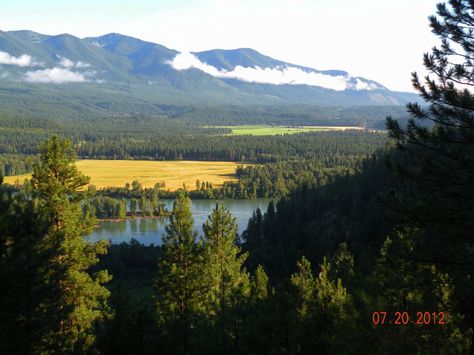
{"points": [[116, 173], [266, 130]]}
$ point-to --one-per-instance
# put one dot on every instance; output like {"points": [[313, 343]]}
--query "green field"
{"points": [[266, 130], [116, 173]]}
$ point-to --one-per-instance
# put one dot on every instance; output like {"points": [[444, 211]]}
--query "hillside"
{"points": [[115, 73]]}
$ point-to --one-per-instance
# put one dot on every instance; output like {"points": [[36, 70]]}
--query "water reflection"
{"points": [[150, 231]]}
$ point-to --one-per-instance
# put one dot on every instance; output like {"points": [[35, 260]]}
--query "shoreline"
{"points": [[128, 218]]}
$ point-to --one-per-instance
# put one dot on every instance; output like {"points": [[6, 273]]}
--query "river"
{"points": [[150, 231]]}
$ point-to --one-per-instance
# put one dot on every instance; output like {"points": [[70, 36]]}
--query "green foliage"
{"points": [[77, 300], [406, 285], [437, 165], [223, 261], [343, 264], [178, 283], [24, 321], [324, 310]]}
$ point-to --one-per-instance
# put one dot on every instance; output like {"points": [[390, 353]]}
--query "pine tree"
{"points": [[23, 259], [226, 280], [342, 264], [404, 284], [223, 259], [178, 283], [437, 163], [324, 311], [77, 300]]}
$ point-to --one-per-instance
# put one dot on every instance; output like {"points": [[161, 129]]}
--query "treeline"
{"points": [[159, 138], [15, 164], [272, 180], [104, 207]]}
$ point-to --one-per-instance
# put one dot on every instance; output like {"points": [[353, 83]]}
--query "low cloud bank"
{"points": [[56, 76], [67, 63], [24, 60], [276, 76], [64, 73]]}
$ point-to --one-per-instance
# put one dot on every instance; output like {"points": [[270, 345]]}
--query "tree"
{"points": [[23, 259], [122, 209], [405, 285], [76, 300], [133, 206], [178, 284], [226, 280], [343, 264], [223, 259], [437, 163], [324, 311]]}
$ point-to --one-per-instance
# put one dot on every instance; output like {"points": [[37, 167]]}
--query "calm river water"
{"points": [[150, 231]]}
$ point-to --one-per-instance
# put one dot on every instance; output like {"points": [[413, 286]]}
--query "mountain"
{"points": [[118, 73]]}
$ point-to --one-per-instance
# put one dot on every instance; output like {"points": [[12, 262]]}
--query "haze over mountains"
{"points": [[120, 73]]}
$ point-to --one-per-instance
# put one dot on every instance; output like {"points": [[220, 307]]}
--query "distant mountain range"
{"points": [[118, 73]]}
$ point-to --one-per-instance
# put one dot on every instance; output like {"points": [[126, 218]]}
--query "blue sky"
{"points": [[381, 40]]}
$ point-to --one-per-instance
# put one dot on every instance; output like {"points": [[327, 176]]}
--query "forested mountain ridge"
{"points": [[102, 73]]}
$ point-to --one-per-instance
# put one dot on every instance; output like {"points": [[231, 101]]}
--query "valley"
{"points": [[218, 200]]}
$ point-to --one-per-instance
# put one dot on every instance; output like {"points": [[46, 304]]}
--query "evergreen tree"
{"points": [[437, 163], [342, 265], [226, 280], [223, 259], [405, 285], [23, 259], [178, 284], [324, 311], [76, 300]]}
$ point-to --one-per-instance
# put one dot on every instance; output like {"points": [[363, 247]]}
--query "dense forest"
{"points": [[135, 140], [369, 250]]}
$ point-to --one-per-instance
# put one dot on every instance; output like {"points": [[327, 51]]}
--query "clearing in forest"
{"points": [[266, 130], [116, 173]]}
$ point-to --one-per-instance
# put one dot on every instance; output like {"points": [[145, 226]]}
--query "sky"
{"points": [[380, 40]]}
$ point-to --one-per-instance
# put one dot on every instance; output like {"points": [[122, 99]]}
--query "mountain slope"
{"points": [[118, 68]]}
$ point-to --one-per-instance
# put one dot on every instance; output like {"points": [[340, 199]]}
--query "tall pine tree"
{"points": [[178, 283], [227, 281], [76, 299], [438, 163]]}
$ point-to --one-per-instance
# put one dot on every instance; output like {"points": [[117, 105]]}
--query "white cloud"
{"points": [[277, 76], [25, 60], [56, 76], [363, 85], [67, 63], [80, 64]]}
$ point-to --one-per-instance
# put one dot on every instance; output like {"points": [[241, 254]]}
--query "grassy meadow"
{"points": [[266, 130], [116, 173]]}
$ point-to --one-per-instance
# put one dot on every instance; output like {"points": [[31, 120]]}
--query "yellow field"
{"points": [[266, 130], [116, 173]]}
